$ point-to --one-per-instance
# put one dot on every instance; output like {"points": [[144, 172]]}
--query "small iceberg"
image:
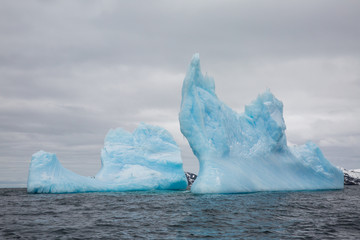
{"points": [[146, 159]]}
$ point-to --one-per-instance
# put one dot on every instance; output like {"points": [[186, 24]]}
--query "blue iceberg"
{"points": [[149, 157], [246, 152], [146, 159]]}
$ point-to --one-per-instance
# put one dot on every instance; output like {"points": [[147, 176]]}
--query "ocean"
{"points": [[181, 215]]}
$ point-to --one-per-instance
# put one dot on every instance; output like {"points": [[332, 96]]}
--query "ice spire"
{"points": [[246, 152]]}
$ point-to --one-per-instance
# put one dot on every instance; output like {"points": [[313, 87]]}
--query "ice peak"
{"points": [[195, 79], [195, 61], [266, 103]]}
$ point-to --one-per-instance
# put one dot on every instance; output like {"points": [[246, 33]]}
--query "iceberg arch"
{"points": [[246, 152], [146, 159]]}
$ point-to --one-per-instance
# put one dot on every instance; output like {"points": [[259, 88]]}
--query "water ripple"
{"points": [[181, 215]]}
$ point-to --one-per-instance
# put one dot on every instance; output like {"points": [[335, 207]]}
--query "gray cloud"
{"points": [[71, 70]]}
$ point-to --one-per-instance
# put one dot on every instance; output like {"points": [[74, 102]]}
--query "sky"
{"points": [[72, 70]]}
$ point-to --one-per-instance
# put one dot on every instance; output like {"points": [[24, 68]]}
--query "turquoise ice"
{"points": [[146, 159], [246, 152]]}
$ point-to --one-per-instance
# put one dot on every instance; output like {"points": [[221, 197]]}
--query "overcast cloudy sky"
{"points": [[71, 70]]}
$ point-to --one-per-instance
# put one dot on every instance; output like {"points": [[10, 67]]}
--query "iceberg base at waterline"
{"points": [[246, 152], [146, 159]]}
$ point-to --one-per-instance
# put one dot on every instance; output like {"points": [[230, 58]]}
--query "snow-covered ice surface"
{"points": [[246, 152], [148, 158], [351, 176]]}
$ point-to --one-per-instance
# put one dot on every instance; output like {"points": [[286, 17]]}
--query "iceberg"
{"points": [[47, 175], [146, 159], [149, 157], [246, 152]]}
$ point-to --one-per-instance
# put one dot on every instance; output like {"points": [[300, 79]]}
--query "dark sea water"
{"points": [[181, 215]]}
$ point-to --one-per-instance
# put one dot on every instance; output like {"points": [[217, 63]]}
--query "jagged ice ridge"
{"points": [[246, 152]]}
